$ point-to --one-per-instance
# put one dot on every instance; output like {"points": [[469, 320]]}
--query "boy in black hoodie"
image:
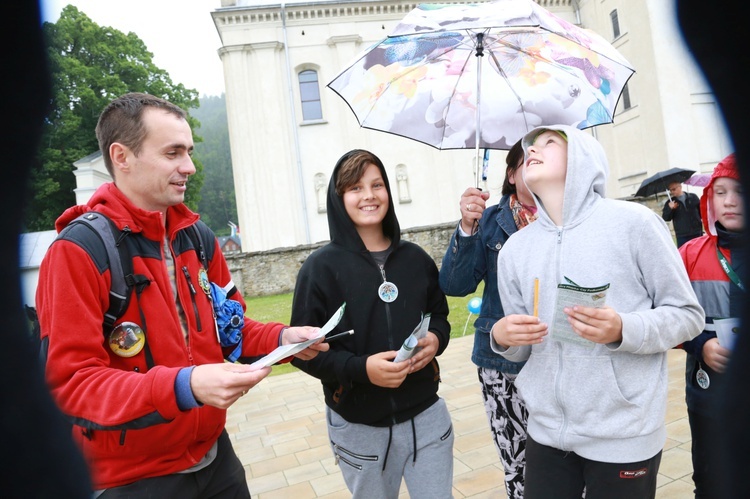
{"points": [[385, 419]]}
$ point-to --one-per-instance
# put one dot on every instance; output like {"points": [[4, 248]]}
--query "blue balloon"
{"points": [[475, 304]]}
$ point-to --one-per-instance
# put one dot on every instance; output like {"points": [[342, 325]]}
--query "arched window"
{"points": [[310, 95]]}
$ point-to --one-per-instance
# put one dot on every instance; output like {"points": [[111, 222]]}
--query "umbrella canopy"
{"points": [[699, 180], [425, 81], [660, 181]]}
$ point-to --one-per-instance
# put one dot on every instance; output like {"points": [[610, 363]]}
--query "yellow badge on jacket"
{"points": [[127, 339], [203, 281]]}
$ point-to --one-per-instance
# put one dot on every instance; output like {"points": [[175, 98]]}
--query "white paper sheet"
{"points": [[285, 351]]}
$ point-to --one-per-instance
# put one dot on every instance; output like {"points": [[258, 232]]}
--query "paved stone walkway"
{"points": [[279, 433]]}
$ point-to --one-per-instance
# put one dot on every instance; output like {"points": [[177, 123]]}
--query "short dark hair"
{"points": [[353, 167], [122, 121], [513, 161]]}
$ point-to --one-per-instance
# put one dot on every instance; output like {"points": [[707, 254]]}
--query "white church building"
{"points": [[287, 129]]}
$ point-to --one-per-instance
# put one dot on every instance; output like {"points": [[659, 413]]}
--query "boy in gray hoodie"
{"points": [[595, 381]]}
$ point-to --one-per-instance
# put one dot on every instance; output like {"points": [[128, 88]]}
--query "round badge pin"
{"points": [[388, 292], [701, 377], [127, 339], [203, 281]]}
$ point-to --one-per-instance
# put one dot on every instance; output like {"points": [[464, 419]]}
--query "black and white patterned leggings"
{"points": [[507, 416]]}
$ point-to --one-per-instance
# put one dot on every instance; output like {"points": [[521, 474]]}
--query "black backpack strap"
{"points": [[202, 238], [123, 278], [120, 263], [195, 237]]}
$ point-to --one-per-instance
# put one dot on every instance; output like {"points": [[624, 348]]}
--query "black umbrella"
{"points": [[660, 181]]}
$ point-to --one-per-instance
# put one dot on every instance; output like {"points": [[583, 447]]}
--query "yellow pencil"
{"points": [[536, 297]]}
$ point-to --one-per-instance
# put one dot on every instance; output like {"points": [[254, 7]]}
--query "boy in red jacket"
{"points": [[714, 264]]}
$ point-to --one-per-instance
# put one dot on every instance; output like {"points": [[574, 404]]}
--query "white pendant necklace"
{"points": [[388, 292], [701, 377]]}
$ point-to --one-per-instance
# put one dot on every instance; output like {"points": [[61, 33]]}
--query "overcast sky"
{"points": [[180, 33]]}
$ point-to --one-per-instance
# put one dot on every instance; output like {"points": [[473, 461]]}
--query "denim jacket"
{"points": [[471, 259]]}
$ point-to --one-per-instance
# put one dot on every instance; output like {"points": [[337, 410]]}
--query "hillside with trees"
{"points": [[218, 205]]}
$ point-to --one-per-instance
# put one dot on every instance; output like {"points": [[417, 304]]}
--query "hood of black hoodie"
{"points": [[340, 226]]}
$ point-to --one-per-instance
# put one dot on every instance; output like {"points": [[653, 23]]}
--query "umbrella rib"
{"points": [[507, 32], [472, 52], [453, 92], [536, 56], [462, 45], [410, 69], [507, 81]]}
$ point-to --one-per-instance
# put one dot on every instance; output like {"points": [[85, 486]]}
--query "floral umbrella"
{"points": [[425, 80]]}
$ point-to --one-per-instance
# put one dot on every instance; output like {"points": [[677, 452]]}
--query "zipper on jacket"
{"points": [[560, 401], [387, 310], [558, 380], [394, 407], [558, 252], [192, 298], [391, 344]]}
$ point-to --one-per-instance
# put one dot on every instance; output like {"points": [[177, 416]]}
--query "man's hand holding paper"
{"points": [[304, 342]]}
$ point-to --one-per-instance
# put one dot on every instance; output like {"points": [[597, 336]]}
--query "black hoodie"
{"points": [[345, 271]]}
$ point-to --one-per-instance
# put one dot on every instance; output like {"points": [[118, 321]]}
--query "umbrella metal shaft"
{"points": [[479, 54]]}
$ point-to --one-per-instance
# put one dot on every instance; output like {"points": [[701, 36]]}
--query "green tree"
{"points": [[218, 204], [90, 65]]}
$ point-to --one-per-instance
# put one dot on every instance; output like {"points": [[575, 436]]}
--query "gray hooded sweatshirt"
{"points": [[605, 402]]}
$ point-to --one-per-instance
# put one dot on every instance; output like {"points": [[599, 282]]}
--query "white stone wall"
{"points": [[275, 271]]}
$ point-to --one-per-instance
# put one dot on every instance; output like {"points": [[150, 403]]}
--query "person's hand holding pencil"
{"points": [[520, 329]]}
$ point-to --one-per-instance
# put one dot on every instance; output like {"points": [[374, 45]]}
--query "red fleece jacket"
{"points": [[138, 430]]}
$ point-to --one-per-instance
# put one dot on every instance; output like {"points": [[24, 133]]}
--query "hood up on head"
{"points": [[727, 167], [341, 228], [586, 176]]}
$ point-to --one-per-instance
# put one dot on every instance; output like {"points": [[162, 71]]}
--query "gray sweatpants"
{"points": [[361, 450]]}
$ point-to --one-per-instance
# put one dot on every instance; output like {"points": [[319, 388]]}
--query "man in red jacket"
{"points": [[149, 415]]}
